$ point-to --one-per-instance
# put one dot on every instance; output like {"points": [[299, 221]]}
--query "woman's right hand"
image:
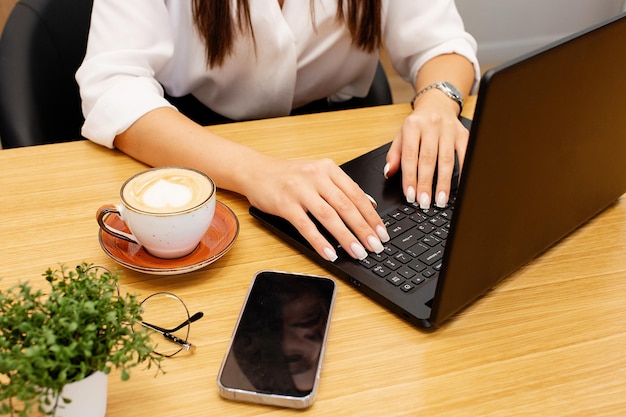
{"points": [[293, 189]]}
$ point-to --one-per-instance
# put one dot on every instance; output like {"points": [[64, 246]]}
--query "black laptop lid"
{"points": [[547, 152]]}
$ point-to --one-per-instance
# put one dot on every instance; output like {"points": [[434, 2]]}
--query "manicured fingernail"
{"points": [[386, 170], [371, 199], [442, 199], [376, 244], [331, 255], [358, 250], [382, 233], [424, 201], [410, 195]]}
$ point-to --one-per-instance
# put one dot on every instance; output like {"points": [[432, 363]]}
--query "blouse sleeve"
{"points": [[417, 31], [129, 41]]}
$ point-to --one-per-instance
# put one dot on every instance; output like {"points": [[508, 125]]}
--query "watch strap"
{"points": [[445, 87]]}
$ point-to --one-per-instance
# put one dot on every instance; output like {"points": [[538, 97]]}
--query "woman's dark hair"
{"points": [[218, 27]]}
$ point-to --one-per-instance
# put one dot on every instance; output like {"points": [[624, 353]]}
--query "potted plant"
{"points": [[79, 329]]}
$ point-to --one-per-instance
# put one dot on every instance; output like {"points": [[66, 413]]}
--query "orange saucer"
{"points": [[216, 242]]}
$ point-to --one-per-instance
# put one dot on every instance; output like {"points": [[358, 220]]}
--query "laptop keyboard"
{"points": [[414, 253]]}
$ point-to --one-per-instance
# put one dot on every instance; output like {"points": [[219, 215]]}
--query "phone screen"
{"points": [[279, 340]]}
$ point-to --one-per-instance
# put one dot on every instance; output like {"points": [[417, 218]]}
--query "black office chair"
{"points": [[42, 46]]}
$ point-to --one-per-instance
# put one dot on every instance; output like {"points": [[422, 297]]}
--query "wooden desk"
{"points": [[548, 341]]}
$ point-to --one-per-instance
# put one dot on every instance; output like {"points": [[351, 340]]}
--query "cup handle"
{"points": [[103, 213]]}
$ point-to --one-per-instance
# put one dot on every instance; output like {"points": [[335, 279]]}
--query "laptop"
{"points": [[547, 152]]}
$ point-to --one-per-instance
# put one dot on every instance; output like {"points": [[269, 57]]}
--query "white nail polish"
{"points": [[386, 170], [358, 250], [424, 201], [371, 199], [330, 254], [410, 195], [442, 199], [376, 244], [382, 233]]}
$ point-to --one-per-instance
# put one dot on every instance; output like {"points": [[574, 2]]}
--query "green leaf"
{"points": [[78, 326]]}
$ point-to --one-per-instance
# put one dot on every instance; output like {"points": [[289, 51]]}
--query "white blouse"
{"points": [[136, 48]]}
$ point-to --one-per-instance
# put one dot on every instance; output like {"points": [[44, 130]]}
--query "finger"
{"points": [[358, 210], [331, 221], [461, 147], [429, 149], [393, 157], [445, 165], [307, 228], [411, 142]]}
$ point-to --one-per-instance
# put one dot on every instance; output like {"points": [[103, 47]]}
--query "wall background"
{"points": [[506, 29]]}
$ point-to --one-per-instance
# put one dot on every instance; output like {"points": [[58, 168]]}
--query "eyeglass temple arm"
{"points": [[169, 336], [167, 333], [190, 320]]}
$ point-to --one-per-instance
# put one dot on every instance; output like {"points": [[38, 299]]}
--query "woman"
{"points": [[248, 59]]}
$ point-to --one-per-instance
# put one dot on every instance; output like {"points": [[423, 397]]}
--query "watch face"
{"points": [[453, 90]]}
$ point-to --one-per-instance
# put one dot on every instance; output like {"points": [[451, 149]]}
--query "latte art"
{"points": [[165, 194], [168, 190]]}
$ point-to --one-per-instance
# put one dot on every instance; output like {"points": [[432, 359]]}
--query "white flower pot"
{"points": [[89, 397]]}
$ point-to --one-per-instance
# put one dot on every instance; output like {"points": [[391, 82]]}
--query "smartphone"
{"points": [[277, 348]]}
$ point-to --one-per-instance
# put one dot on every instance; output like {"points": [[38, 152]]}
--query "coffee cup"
{"points": [[167, 210]]}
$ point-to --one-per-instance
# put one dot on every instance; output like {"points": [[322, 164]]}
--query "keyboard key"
{"points": [[431, 240], [441, 233], [438, 221], [406, 287], [388, 222], [368, 262], [429, 273], [400, 227], [431, 256], [397, 215], [402, 257], [418, 280], [389, 250], [425, 228], [408, 239], [378, 257], [417, 266], [405, 272], [417, 250], [392, 263], [396, 280], [430, 212], [418, 217], [381, 271]]}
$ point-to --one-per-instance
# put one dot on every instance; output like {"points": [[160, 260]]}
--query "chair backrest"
{"points": [[380, 91], [42, 46]]}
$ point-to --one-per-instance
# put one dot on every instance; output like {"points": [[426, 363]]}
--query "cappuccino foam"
{"points": [[167, 190]]}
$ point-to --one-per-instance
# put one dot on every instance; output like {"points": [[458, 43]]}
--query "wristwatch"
{"points": [[445, 87]]}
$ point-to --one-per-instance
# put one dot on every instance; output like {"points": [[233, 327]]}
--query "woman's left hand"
{"points": [[428, 139]]}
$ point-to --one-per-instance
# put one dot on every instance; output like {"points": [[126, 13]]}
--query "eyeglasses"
{"points": [[167, 319]]}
